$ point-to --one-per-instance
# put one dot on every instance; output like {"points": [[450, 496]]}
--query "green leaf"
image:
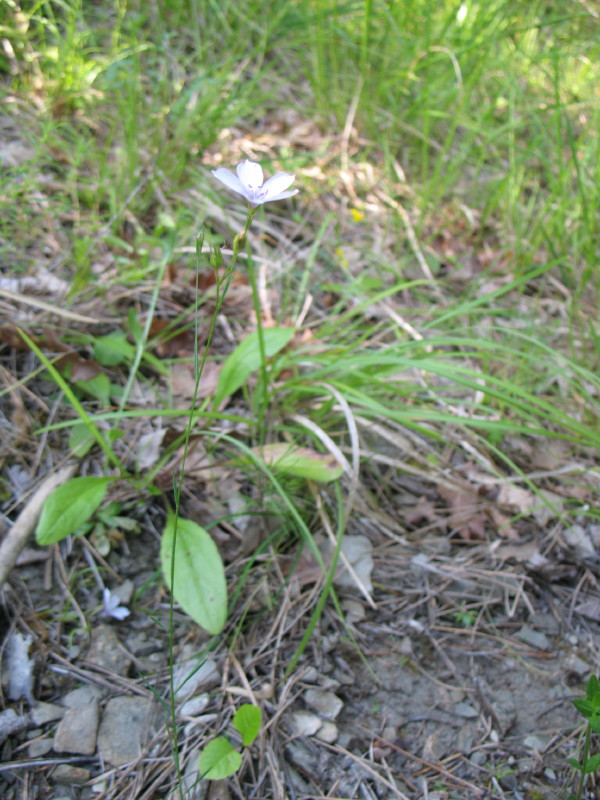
{"points": [[592, 764], [113, 349], [199, 585], [583, 706], [592, 691], [219, 760], [575, 764], [134, 326], [69, 507], [247, 721], [594, 722], [300, 461], [98, 387], [81, 440], [245, 359]]}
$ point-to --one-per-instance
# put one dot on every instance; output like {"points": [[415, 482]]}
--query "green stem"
{"points": [[586, 753], [222, 285], [261, 340]]}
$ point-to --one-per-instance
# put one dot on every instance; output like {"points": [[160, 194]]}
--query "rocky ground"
{"points": [[451, 676]]}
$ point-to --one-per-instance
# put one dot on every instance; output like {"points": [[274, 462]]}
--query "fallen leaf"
{"points": [[149, 449], [183, 380], [467, 517], [516, 499], [77, 367], [424, 512], [590, 609], [521, 552], [579, 540]]}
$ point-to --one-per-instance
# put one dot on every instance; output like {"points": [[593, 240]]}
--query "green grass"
{"points": [[480, 119], [491, 105]]}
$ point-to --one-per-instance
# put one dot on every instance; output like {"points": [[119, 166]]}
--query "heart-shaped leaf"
{"points": [[219, 760], [247, 722]]}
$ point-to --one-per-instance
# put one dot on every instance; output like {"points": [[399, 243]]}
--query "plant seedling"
{"points": [[589, 706], [219, 759]]}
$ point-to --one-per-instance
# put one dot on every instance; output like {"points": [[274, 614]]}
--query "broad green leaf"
{"points": [[219, 760], [113, 349], [592, 691], [592, 764], [247, 722], [300, 461], [575, 764], [245, 359], [199, 585], [69, 507], [594, 722], [98, 387], [583, 706]]}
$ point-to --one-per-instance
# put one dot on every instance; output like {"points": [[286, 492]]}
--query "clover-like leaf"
{"points": [[247, 721]]}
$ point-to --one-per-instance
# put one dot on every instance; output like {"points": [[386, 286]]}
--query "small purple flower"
{"points": [[250, 183], [112, 607]]}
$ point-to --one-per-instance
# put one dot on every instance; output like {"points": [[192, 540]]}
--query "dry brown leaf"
{"points": [[179, 345], [516, 499], [424, 512], [79, 368], [521, 552], [502, 524], [467, 517], [183, 380]]}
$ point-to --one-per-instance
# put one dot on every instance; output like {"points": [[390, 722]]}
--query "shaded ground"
{"points": [[460, 686]]}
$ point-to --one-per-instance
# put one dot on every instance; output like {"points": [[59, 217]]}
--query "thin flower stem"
{"points": [[222, 286], [586, 753], [261, 338]]}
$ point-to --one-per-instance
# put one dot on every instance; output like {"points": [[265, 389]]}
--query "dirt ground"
{"points": [[454, 680]]}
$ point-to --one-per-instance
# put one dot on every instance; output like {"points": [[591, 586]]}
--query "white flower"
{"points": [[112, 607], [250, 183]]}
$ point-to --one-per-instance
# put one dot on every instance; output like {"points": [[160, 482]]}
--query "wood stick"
{"points": [[16, 539]]}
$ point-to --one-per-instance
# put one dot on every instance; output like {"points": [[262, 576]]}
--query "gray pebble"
{"points": [[76, 732], [124, 728]]}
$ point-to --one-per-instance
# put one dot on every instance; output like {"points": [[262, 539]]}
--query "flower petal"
{"points": [[250, 174], [230, 180], [280, 196], [276, 185], [120, 613]]}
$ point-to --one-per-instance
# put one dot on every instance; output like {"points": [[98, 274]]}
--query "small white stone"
{"points": [[194, 706], [310, 675], [305, 723], [328, 732], [327, 704], [354, 609], [189, 678]]}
